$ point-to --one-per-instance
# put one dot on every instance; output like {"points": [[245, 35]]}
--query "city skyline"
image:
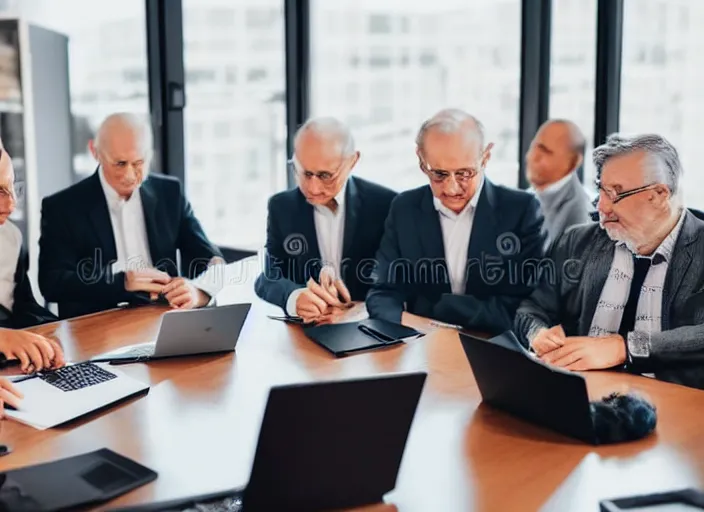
{"points": [[381, 66]]}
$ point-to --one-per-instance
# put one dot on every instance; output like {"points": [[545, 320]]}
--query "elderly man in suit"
{"points": [[322, 236], [552, 161], [628, 291], [18, 307], [453, 250], [112, 238]]}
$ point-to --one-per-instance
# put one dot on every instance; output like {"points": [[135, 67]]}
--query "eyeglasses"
{"points": [[440, 175], [15, 192], [615, 197], [325, 176]]}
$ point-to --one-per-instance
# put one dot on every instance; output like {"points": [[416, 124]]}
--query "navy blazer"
{"points": [[26, 311], [292, 253], [77, 244], [505, 247]]}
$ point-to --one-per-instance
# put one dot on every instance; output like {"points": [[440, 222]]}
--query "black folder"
{"points": [[87, 479], [346, 338]]}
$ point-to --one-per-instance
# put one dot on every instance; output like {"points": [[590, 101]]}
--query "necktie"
{"points": [[628, 320]]}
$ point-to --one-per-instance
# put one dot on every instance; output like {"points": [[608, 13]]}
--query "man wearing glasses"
{"points": [[322, 236], [18, 307], [631, 289], [453, 251]]}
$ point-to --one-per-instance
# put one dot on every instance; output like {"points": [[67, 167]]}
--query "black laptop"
{"points": [[512, 379], [322, 446], [64, 484]]}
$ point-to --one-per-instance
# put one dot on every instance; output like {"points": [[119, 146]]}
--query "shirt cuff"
{"points": [[291, 301], [211, 281], [638, 344]]}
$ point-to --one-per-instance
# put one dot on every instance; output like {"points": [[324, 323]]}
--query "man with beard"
{"points": [[620, 298]]}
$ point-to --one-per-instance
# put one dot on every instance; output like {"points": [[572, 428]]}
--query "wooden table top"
{"points": [[199, 423]]}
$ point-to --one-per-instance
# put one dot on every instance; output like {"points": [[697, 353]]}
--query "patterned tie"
{"points": [[628, 320]]}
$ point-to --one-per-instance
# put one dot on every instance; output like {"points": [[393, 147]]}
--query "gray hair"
{"points": [[329, 127], [667, 169], [135, 122], [452, 120]]}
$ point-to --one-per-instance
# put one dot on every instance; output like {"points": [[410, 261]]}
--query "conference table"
{"points": [[198, 425]]}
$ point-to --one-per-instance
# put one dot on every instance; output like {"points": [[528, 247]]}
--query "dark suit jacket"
{"points": [[505, 241], [583, 257], [77, 244], [292, 253], [26, 311]]}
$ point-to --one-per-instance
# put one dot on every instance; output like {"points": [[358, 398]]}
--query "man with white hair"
{"points": [[629, 291], [322, 236], [112, 238], [454, 251]]}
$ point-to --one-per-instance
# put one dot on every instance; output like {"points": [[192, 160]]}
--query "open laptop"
{"points": [[514, 380], [187, 332], [78, 481], [55, 397], [322, 446]]}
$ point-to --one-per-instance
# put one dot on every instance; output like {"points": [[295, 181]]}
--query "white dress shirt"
{"points": [[456, 231], [10, 246], [129, 229], [614, 295], [330, 232]]}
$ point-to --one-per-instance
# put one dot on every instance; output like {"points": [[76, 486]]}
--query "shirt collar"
{"points": [[113, 198], [340, 198], [556, 187], [471, 205], [667, 246]]}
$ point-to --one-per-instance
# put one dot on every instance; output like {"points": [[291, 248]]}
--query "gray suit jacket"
{"points": [[581, 260], [564, 208]]}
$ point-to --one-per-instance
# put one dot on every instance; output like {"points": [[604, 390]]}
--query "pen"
{"points": [[435, 323]]}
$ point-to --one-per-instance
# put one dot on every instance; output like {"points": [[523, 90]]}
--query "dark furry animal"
{"points": [[618, 418]]}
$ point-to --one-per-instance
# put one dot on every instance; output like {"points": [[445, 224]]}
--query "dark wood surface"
{"points": [[198, 425]]}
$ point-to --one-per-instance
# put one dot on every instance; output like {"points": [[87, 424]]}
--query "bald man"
{"points": [[112, 238], [551, 164], [322, 236], [455, 251]]}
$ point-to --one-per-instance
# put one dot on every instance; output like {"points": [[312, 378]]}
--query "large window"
{"points": [[107, 59], [573, 68], [662, 83], [384, 66], [235, 119]]}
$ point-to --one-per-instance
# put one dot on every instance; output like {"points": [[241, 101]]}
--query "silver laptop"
{"points": [[187, 332], [56, 397]]}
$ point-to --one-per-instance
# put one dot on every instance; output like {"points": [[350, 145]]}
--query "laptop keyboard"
{"points": [[78, 376]]}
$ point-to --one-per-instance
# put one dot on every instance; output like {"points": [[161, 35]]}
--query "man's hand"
{"points": [[316, 301], [182, 294], [34, 352], [335, 287], [148, 280], [548, 340], [9, 394], [580, 353]]}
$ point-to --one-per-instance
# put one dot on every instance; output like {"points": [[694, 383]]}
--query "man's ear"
{"points": [[577, 160], [486, 156], [92, 148], [661, 195]]}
